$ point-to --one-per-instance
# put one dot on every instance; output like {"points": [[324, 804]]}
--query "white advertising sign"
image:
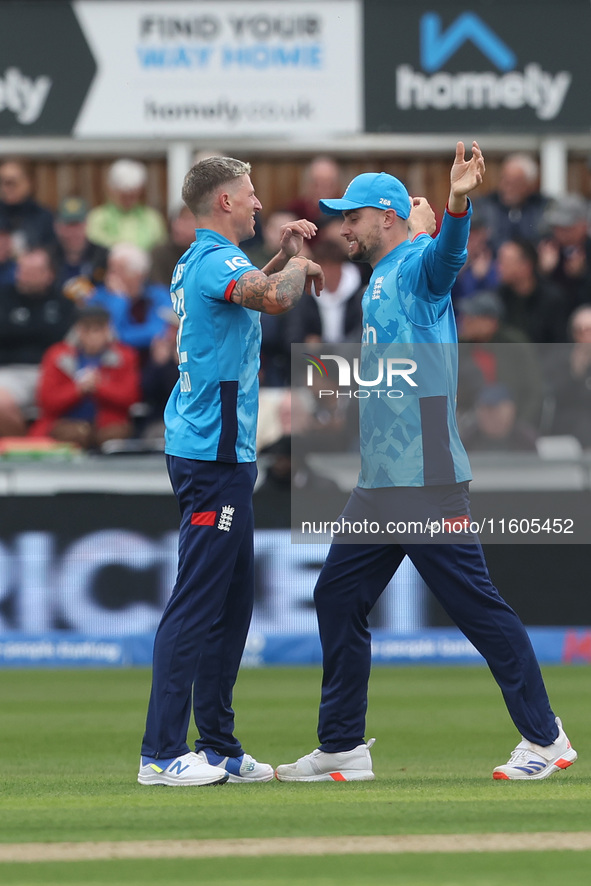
{"points": [[224, 68]]}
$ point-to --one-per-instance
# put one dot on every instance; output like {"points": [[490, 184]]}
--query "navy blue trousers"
{"points": [[350, 583], [202, 633]]}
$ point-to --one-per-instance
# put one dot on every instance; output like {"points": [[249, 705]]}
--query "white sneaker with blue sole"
{"points": [[240, 770], [188, 770]]}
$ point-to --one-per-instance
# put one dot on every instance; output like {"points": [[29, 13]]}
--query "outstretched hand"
{"points": [[465, 176]]}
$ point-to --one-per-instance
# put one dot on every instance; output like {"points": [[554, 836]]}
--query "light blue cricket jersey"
{"points": [[212, 411], [413, 440]]}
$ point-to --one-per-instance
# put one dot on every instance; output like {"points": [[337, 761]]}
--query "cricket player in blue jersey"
{"points": [[413, 468], [211, 420]]}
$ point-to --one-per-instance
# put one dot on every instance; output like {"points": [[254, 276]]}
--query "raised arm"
{"points": [[465, 177], [278, 292], [443, 258]]}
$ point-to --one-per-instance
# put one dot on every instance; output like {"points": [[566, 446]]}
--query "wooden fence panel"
{"points": [[277, 178]]}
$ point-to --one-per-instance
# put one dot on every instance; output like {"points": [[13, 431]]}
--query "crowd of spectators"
{"points": [[87, 331], [522, 302], [88, 336]]}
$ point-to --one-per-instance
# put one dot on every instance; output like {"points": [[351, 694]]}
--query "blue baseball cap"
{"points": [[377, 189]]}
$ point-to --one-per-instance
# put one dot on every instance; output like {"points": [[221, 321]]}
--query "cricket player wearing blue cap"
{"points": [[413, 466]]}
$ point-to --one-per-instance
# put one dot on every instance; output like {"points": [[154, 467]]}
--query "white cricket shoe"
{"points": [[534, 761], [188, 770], [240, 770], [354, 765]]}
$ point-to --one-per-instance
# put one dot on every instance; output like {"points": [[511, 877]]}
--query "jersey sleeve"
{"points": [[433, 271], [222, 268]]}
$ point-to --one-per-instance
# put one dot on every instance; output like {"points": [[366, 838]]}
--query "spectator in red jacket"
{"points": [[87, 384]]}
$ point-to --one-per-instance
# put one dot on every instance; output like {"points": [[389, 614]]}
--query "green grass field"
{"points": [[70, 750]]}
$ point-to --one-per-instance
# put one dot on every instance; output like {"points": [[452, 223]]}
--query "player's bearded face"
{"points": [[363, 232]]}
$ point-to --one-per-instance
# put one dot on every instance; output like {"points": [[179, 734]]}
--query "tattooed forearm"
{"points": [[290, 287], [252, 291], [275, 294]]}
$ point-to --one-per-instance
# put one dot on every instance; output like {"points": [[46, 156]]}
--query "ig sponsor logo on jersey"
{"points": [[239, 261]]}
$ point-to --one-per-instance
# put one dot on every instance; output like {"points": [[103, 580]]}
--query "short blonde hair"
{"points": [[204, 177]]}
